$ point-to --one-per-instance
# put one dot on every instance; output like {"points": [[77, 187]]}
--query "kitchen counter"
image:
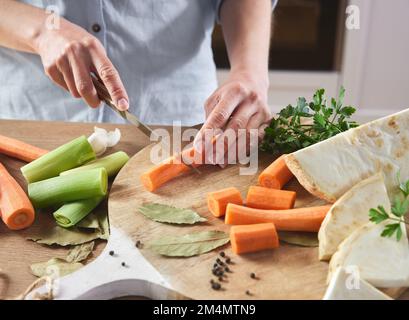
{"points": [[17, 253]]}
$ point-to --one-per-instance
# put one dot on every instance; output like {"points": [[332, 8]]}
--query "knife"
{"points": [[104, 95]]}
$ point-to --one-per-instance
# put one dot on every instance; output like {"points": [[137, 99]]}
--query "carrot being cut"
{"points": [[16, 209], [254, 237], [20, 150], [266, 198], [217, 201], [276, 175], [300, 219], [168, 170]]}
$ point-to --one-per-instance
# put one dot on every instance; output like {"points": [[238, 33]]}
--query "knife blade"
{"points": [[104, 95]]}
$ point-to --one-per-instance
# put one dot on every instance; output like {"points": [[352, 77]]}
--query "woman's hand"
{"points": [[69, 54], [240, 103]]}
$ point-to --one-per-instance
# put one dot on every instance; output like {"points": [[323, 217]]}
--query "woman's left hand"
{"points": [[240, 103]]}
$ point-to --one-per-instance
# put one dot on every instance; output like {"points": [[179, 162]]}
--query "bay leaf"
{"points": [[63, 236], [303, 239], [189, 244], [80, 253], [103, 224], [55, 267], [48, 232], [89, 222], [168, 214]]}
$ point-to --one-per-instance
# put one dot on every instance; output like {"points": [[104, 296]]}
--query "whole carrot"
{"points": [[20, 150], [16, 209]]}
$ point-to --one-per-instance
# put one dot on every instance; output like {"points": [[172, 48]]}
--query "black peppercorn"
{"points": [[111, 253], [123, 264], [253, 275], [222, 254], [216, 286], [227, 269], [248, 292], [228, 260]]}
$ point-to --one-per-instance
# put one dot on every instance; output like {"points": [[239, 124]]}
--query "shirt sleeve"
{"points": [[218, 4]]}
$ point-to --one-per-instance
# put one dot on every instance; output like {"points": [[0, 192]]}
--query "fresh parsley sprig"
{"points": [[305, 124], [399, 208]]}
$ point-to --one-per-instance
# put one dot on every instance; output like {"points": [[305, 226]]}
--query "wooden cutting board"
{"points": [[289, 272]]}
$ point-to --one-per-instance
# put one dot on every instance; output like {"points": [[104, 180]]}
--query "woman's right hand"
{"points": [[69, 54]]}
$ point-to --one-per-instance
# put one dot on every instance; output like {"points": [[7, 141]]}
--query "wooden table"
{"points": [[17, 253]]}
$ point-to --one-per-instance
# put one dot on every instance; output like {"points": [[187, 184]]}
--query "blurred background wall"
{"points": [[311, 48]]}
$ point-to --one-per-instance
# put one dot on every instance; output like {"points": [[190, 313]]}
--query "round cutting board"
{"points": [[289, 272]]}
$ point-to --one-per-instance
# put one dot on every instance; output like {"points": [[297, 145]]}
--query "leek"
{"points": [[112, 163], [73, 212], [65, 157], [72, 187]]}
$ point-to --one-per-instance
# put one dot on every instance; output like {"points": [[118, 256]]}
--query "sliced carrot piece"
{"points": [[300, 219], [276, 175], [16, 209], [217, 201], [254, 237], [267, 198], [20, 150], [168, 170]]}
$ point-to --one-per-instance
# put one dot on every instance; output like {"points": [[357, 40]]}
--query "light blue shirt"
{"points": [[161, 48]]}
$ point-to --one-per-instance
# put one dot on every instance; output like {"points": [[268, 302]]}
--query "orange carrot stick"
{"points": [[20, 150], [299, 219], [252, 238], [217, 201], [266, 198], [168, 170], [276, 175], [16, 209]]}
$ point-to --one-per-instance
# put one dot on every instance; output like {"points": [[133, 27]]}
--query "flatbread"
{"points": [[382, 261], [343, 287], [330, 168], [350, 212]]}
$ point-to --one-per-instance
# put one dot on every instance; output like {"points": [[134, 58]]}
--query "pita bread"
{"points": [[342, 287], [331, 167], [383, 262], [350, 212]]}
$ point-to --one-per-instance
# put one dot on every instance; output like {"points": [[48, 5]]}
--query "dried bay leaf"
{"points": [[103, 224], [48, 233], [189, 244], [55, 267], [80, 253], [89, 222], [168, 214], [303, 239], [63, 236]]}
